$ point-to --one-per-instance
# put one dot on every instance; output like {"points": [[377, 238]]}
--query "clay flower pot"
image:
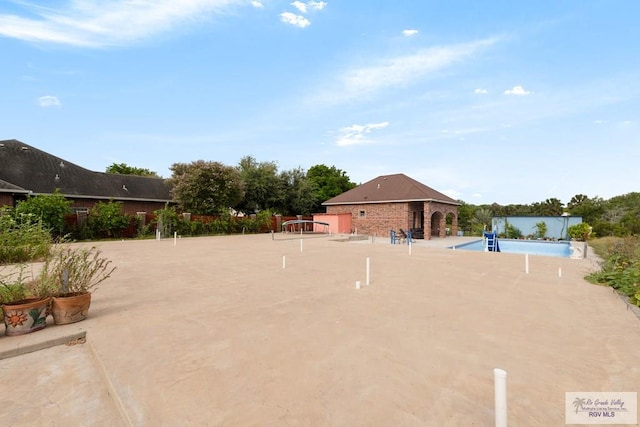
{"points": [[70, 309], [26, 316]]}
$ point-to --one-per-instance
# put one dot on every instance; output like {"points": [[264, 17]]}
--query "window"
{"points": [[362, 214]]}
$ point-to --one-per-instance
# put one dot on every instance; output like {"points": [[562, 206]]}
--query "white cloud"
{"points": [[49, 101], [94, 24], [302, 7], [409, 33], [404, 70], [295, 20], [316, 5], [257, 4], [480, 91], [517, 90], [358, 134]]}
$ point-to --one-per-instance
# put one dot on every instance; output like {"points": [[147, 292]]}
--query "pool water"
{"points": [[533, 247]]}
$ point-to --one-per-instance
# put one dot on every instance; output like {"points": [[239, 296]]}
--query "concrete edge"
{"points": [[115, 398], [41, 345]]}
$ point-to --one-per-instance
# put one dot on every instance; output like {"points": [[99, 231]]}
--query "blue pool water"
{"points": [[533, 247]]}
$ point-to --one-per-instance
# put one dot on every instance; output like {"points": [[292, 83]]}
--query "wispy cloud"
{"points": [[316, 5], [409, 33], [517, 90], [302, 7], [295, 20], [358, 134], [257, 4], [49, 101], [88, 23], [397, 71], [480, 91]]}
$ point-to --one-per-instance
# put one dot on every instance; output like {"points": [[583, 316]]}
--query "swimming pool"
{"points": [[533, 247]]}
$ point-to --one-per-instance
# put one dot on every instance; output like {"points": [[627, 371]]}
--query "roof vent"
{"points": [[124, 187], [378, 185], [1, 145], [61, 164], [57, 178], [24, 148]]}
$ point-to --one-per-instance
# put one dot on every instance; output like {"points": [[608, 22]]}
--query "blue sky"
{"points": [[497, 101]]}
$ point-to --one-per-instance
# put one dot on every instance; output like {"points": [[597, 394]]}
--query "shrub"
{"points": [[580, 231], [621, 266], [22, 237], [50, 210], [108, 219]]}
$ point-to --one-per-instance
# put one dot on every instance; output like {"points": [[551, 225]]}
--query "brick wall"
{"points": [[6, 199], [377, 219]]}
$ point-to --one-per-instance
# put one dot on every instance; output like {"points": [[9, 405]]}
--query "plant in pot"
{"points": [[25, 304], [73, 274]]}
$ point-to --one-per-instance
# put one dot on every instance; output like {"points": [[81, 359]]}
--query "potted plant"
{"points": [[25, 305], [72, 274]]}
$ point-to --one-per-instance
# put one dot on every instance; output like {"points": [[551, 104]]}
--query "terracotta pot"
{"points": [[26, 316], [70, 309]]}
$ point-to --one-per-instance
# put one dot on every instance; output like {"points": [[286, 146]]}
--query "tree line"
{"points": [[618, 216], [212, 188]]}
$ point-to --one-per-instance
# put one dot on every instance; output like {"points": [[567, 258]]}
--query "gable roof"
{"points": [[390, 189], [25, 169]]}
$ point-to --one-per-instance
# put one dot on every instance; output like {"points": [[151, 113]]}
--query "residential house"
{"points": [[25, 171]]}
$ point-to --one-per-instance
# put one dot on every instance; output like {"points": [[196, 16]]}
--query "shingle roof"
{"points": [[390, 188], [26, 169]]}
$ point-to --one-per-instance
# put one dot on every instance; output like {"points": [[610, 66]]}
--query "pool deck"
{"points": [[250, 330]]}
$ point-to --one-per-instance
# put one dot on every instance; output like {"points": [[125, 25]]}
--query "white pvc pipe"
{"points": [[368, 269], [300, 245], [559, 271], [357, 284], [284, 262], [526, 263], [500, 394], [410, 247]]}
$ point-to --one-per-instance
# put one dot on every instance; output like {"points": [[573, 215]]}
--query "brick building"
{"points": [[25, 170], [394, 202]]}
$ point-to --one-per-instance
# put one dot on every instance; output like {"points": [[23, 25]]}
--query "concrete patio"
{"points": [[260, 331]]}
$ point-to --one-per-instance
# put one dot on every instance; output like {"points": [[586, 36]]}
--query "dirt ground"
{"points": [[261, 331]]}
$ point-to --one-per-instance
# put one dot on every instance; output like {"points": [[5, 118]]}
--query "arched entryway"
{"points": [[437, 220], [441, 219]]}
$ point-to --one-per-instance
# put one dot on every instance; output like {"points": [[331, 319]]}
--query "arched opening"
{"points": [[451, 223], [436, 223]]}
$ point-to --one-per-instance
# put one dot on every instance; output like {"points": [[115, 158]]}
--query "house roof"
{"points": [[390, 189], [25, 169]]}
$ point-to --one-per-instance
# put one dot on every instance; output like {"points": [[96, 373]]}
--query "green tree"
{"points": [[206, 188], [465, 216], [590, 209], [328, 182], [124, 169], [299, 193], [550, 207], [263, 187], [483, 216], [49, 209]]}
